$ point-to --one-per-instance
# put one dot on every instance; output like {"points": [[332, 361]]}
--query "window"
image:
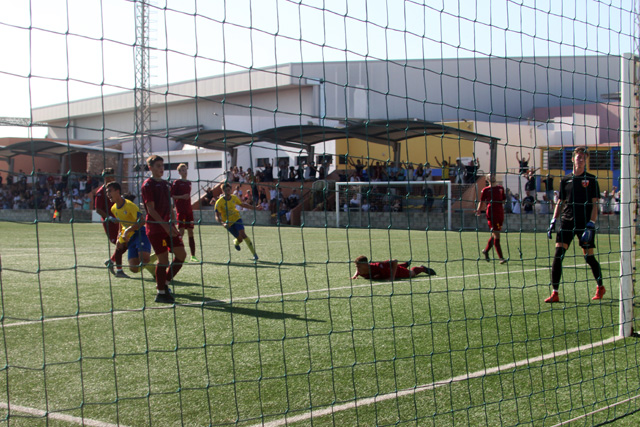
{"points": [[324, 158], [212, 164], [173, 166], [601, 160], [553, 159], [282, 162], [260, 163], [342, 159]]}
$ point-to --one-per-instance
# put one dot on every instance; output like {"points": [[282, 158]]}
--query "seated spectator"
{"points": [[544, 205], [354, 202], [293, 199], [515, 203], [528, 204], [607, 203]]}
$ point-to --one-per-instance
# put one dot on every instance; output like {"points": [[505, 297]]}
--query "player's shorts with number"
{"points": [[185, 220], [495, 222], [162, 242]]}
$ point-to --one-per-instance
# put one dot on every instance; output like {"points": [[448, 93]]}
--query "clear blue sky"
{"points": [[62, 50]]}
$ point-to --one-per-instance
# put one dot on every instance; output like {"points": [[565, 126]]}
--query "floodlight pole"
{"points": [[628, 189], [142, 139]]}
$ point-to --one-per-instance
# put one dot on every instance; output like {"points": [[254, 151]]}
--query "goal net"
{"points": [[446, 318]]}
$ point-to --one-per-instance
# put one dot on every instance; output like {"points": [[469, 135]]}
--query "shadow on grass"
{"points": [[217, 305]]}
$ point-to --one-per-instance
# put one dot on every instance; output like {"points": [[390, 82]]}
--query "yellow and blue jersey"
{"points": [[128, 215], [227, 208]]}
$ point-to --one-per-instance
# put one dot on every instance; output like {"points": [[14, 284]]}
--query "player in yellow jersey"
{"points": [[229, 217], [132, 231]]}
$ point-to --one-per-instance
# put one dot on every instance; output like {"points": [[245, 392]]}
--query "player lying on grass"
{"points": [[386, 270], [229, 217], [133, 233]]}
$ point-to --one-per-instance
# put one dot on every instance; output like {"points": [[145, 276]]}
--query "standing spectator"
{"points": [[358, 166], [607, 203], [524, 164], [459, 172], [268, 172], [322, 171], [446, 172], [428, 172], [515, 203], [86, 202], [58, 206], [548, 186], [530, 185], [578, 212]]}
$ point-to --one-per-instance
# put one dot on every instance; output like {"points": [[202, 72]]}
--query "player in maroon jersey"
{"points": [[103, 204], [164, 237], [181, 193], [387, 269], [493, 195]]}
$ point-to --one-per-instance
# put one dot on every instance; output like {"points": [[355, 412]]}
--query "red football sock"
{"points": [[498, 248], [489, 245], [173, 269], [192, 245], [161, 278]]}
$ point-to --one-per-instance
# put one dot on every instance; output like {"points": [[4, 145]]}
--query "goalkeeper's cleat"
{"points": [[236, 244], [120, 274], [486, 256], [166, 298], [109, 264], [553, 298], [600, 291], [503, 261], [193, 259]]}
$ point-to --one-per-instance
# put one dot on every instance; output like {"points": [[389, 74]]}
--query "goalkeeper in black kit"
{"points": [[578, 211]]}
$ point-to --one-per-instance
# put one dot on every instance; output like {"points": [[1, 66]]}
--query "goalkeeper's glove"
{"points": [[552, 228], [589, 234]]}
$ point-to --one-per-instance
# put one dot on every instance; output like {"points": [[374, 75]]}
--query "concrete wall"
{"points": [[608, 224]]}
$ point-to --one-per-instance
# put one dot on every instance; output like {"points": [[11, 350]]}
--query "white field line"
{"points": [[367, 284], [564, 423], [57, 416], [407, 392]]}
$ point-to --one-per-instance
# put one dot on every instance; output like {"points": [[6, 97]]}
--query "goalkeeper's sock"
{"points": [[595, 268], [249, 245], [556, 267], [192, 245], [496, 243], [489, 245]]}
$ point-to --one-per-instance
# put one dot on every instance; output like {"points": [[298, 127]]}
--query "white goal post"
{"points": [[387, 190], [628, 189]]}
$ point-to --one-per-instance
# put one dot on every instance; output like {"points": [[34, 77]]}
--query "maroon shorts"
{"points": [[496, 222], [402, 273], [185, 220], [161, 242], [111, 231]]}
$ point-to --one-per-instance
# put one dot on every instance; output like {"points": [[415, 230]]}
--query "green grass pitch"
{"points": [[250, 343]]}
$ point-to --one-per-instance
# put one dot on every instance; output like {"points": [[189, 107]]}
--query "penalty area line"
{"points": [[56, 416], [426, 387]]}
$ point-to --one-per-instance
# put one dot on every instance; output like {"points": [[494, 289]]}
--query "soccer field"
{"points": [[290, 339]]}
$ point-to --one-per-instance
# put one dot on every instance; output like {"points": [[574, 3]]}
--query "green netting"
{"points": [[354, 129]]}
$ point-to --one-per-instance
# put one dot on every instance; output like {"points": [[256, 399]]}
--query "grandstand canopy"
{"points": [[303, 136], [50, 149]]}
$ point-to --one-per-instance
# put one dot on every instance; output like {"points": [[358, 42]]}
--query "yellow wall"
{"points": [[415, 151], [605, 177]]}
